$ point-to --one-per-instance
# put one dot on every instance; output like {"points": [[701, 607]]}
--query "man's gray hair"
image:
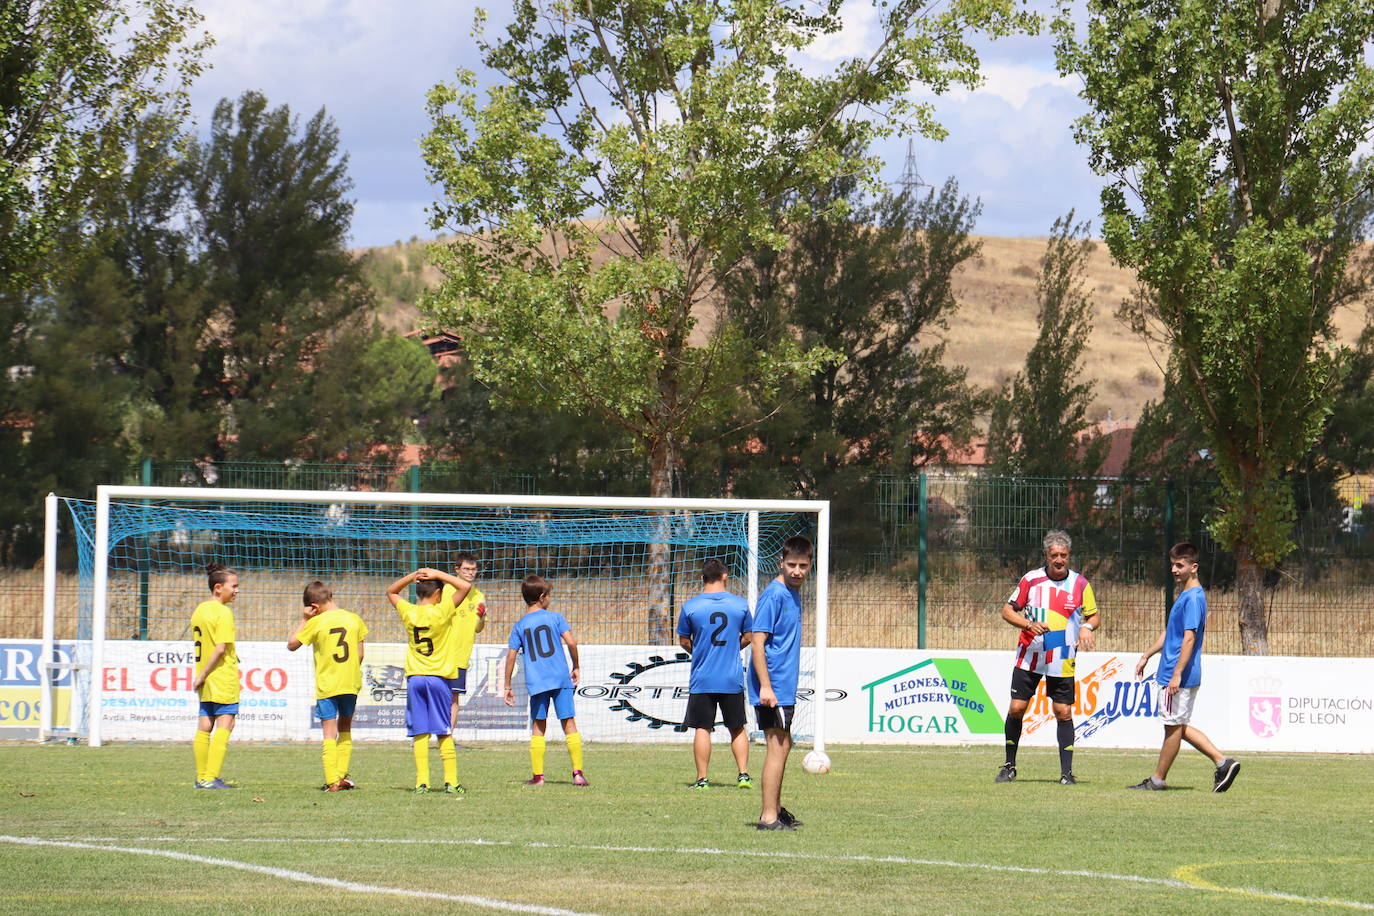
{"points": [[1056, 538]]}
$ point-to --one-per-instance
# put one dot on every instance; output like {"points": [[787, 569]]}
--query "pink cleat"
{"points": [[579, 779], [534, 780]]}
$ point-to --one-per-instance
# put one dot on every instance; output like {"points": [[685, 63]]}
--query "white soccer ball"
{"points": [[816, 763]]}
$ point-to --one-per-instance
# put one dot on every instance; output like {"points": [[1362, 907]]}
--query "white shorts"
{"points": [[1179, 709]]}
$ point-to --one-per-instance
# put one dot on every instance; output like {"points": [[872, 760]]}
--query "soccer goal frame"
{"points": [[50, 670]]}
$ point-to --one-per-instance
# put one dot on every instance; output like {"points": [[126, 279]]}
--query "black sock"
{"points": [[1065, 734], [1013, 738]]}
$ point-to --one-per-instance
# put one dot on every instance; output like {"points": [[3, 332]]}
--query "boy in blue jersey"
{"points": [[713, 627], [1180, 675], [547, 675], [773, 676]]}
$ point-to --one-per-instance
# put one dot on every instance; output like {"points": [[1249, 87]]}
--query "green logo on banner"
{"points": [[901, 701]]}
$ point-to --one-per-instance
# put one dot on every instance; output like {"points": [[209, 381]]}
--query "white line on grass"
{"points": [[300, 876], [711, 851]]}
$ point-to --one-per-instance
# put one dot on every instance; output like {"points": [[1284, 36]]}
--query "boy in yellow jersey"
{"points": [[337, 638], [217, 675], [470, 619], [429, 662]]}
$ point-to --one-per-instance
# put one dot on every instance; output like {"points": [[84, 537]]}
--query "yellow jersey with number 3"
{"points": [[336, 636], [212, 623]]}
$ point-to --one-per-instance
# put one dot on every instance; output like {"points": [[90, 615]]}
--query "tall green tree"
{"points": [[1039, 425], [875, 287], [75, 77], [1227, 133], [631, 154]]}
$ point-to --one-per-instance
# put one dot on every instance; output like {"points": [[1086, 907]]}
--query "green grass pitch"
{"points": [[888, 831]]}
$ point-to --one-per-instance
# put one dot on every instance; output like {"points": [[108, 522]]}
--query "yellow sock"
{"points": [[449, 755], [201, 746], [537, 755], [331, 761], [575, 749], [214, 757], [345, 753], [421, 760]]}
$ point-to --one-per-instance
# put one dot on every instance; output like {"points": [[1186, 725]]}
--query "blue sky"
{"points": [[370, 63]]}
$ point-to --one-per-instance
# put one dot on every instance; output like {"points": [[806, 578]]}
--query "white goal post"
{"points": [[136, 540]]}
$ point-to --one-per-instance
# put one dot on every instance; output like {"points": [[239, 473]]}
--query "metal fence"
{"points": [[927, 561]]}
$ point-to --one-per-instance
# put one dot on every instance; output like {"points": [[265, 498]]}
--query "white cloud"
{"points": [[1014, 83], [858, 35]]}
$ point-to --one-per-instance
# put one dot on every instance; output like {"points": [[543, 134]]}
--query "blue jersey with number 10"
{"points": [[539, 636], [714, 621]]}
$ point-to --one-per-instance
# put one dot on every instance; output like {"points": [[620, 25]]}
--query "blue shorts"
{"points": [[429, 705], [562, 703], [459, 684], [218, 709], [335, 707]]}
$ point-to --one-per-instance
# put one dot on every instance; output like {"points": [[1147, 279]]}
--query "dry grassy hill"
{"points": [[990, 334]]}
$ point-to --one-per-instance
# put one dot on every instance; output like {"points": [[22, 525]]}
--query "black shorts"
{"points": [[701, 710], [1023, 684], [775, 717]]}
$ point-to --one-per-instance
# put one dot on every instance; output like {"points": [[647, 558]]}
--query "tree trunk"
{"points": [[1254, 628], [660, 485]]}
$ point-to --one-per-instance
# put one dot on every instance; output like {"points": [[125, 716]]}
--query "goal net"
{"points": [[620, 571]]}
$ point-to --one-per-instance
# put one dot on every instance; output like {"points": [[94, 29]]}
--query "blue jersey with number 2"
{"points": [[714, 621], [539, 637]]}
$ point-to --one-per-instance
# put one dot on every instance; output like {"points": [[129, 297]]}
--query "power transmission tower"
{"points": [[911, 177]]}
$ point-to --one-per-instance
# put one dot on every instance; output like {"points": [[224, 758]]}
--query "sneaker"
{"points": [[742, 781], [346, 783], [218, 783], [774, 825], [1066, 779], [1006, 774], [450, 789], [579, 779], [421, 789], [202, 783], [334, 787], [700, 784], [1149, 784], [1225, 775], [787, 818], [534, 781]]}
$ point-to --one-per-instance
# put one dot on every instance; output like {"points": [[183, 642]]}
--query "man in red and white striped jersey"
{"points": [[1055, 610]]}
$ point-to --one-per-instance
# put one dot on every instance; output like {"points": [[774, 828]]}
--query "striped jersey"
{"points": [[1064, 606]]}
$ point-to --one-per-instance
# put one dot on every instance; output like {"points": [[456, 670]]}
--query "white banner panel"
{"points": [[1245, 703], [639, 693]]}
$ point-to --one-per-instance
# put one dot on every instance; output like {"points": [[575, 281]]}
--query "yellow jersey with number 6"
{"points": [[336, 636], [212, 624]]}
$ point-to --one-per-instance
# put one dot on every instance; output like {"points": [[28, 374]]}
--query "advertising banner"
{"points": [[961, 697], [639, 694], [20, 708]]}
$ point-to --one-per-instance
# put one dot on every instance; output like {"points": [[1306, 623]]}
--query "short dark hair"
{"points": [[217, 574], [534, 588], [713, 570], [426, 587], [1184, 550], [796, 546], [466, 556], [316, 593]]}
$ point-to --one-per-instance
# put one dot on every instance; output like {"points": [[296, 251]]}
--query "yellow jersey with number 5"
{"points": [[212, 623], [336, 636], [429, 631]]}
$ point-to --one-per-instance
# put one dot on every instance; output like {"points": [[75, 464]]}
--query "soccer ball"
{"points": [[816, 763]]}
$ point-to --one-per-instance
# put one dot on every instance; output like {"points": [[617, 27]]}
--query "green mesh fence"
{"points": [[928, 560]]}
